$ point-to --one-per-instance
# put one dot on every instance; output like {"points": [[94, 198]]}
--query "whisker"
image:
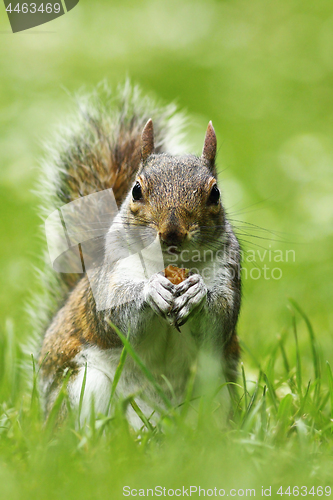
{"points": [[261, 237], [241, 240], [252, 205]]}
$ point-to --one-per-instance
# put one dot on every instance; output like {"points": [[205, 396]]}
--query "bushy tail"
{"points": [[98, 149]]}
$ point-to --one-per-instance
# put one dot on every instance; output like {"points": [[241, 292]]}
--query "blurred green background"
{"points": [[261, 70]]}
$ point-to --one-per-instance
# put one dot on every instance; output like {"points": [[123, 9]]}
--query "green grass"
{"points": [[280, 432]]}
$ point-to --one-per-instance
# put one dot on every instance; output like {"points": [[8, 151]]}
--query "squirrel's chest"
{"points": [[164, 351], [168, 351]]}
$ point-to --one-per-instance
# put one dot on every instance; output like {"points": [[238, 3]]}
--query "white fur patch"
{"points": [[165, 351]]}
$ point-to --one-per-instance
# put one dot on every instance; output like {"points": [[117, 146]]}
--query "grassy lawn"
{"points": [[280, 435], [262, 72]]}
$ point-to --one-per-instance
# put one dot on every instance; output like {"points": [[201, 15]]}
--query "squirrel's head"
{"points": [[178, 196]]}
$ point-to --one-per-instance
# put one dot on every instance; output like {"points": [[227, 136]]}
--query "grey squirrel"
{"points": [[127, 143]]}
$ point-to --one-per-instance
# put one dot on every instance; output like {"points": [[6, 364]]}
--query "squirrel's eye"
{"points": [[137, 192], [214, 195]]}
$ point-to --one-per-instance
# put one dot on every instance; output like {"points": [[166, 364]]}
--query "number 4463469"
{"points": [[303, 491], [32, 8]]}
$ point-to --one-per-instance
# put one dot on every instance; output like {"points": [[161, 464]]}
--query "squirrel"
{"points": [[130, 145]]}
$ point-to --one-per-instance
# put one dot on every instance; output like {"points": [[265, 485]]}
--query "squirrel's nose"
{"points": [[172, 237]]}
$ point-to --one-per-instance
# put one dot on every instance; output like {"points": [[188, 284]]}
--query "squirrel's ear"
{"points": [[147, 140], [209, 149]]}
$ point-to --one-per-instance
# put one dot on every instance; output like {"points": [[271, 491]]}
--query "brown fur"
{"points": [[172, 212], [232, 353], [76, 325]]}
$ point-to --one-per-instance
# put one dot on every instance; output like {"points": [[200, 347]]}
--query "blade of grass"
{"points": [[301, 409], [53, 417], [298, 357], [324, 401], [92, 421], [284, 355], [286, 363], [169, 386], [83, 386], [271, 362], [285, 407], [330, 385], [251, 403], [263, 427], [314, 347], [142, 366], [250, 423], [10, 355], [284, 415], [117, 376], [34, 384], [244, 386], [271, 391], [35, 401], [141, 415]]}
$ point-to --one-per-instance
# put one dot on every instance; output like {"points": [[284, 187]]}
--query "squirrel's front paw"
{"points": [[159, 294], [190, 295]]}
